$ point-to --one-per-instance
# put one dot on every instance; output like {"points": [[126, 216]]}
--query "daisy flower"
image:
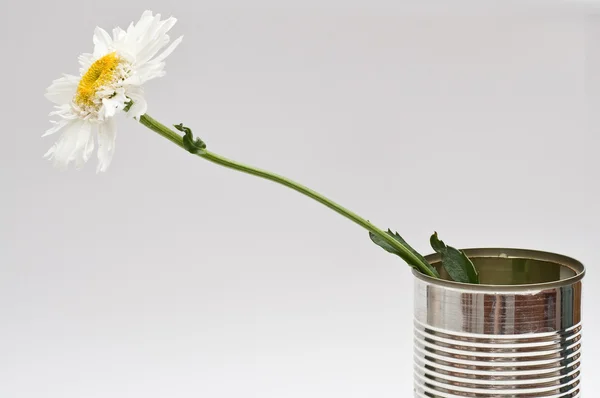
{"points": [[110, 82]]}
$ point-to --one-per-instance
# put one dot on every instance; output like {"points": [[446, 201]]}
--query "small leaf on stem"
{"points": [[189, 143], [391, 249], [457, 264]]}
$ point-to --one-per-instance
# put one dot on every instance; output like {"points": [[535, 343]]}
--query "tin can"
{"points": [[517, 334]]}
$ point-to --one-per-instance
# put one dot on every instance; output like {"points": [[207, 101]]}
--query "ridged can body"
{"points": [[519, 338]]}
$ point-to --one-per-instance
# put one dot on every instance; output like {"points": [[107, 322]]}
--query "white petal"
{"points": [[57, 126], [140, 106], [118, 34], [166, 26], [71, 144], [154, 74], [147, 72], [150, 49], [145, 15], [85, 149], [107, 134], [136, 32], [111, 105], [133, 80], [151, 31], [147, 37], [169, 50], [89, 148], [85, 61], [62, 90], [102, 42], [128, 40], [64, 111]]}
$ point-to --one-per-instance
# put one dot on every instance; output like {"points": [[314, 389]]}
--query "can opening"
{"points": [[516, 266]]}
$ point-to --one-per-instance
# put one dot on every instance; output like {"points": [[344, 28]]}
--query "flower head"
{"points": [[110, 82]]}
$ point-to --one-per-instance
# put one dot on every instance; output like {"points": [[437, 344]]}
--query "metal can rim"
{"points": [[499, 252]]}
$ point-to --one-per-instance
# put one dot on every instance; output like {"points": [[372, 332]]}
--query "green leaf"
{"points": [[189, 143], [391, 249], [457, 264]]}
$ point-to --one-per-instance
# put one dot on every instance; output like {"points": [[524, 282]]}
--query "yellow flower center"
{"points": [[100, 73]]}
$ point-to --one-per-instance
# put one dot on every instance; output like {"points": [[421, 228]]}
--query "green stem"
{"points": [[161, 129], [174, 137]]}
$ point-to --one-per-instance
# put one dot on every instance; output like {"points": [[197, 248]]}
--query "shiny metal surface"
{"points": [[517, 334]]}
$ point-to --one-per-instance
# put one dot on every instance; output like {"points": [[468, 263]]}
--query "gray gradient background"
{"points": [[171, 277]]}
